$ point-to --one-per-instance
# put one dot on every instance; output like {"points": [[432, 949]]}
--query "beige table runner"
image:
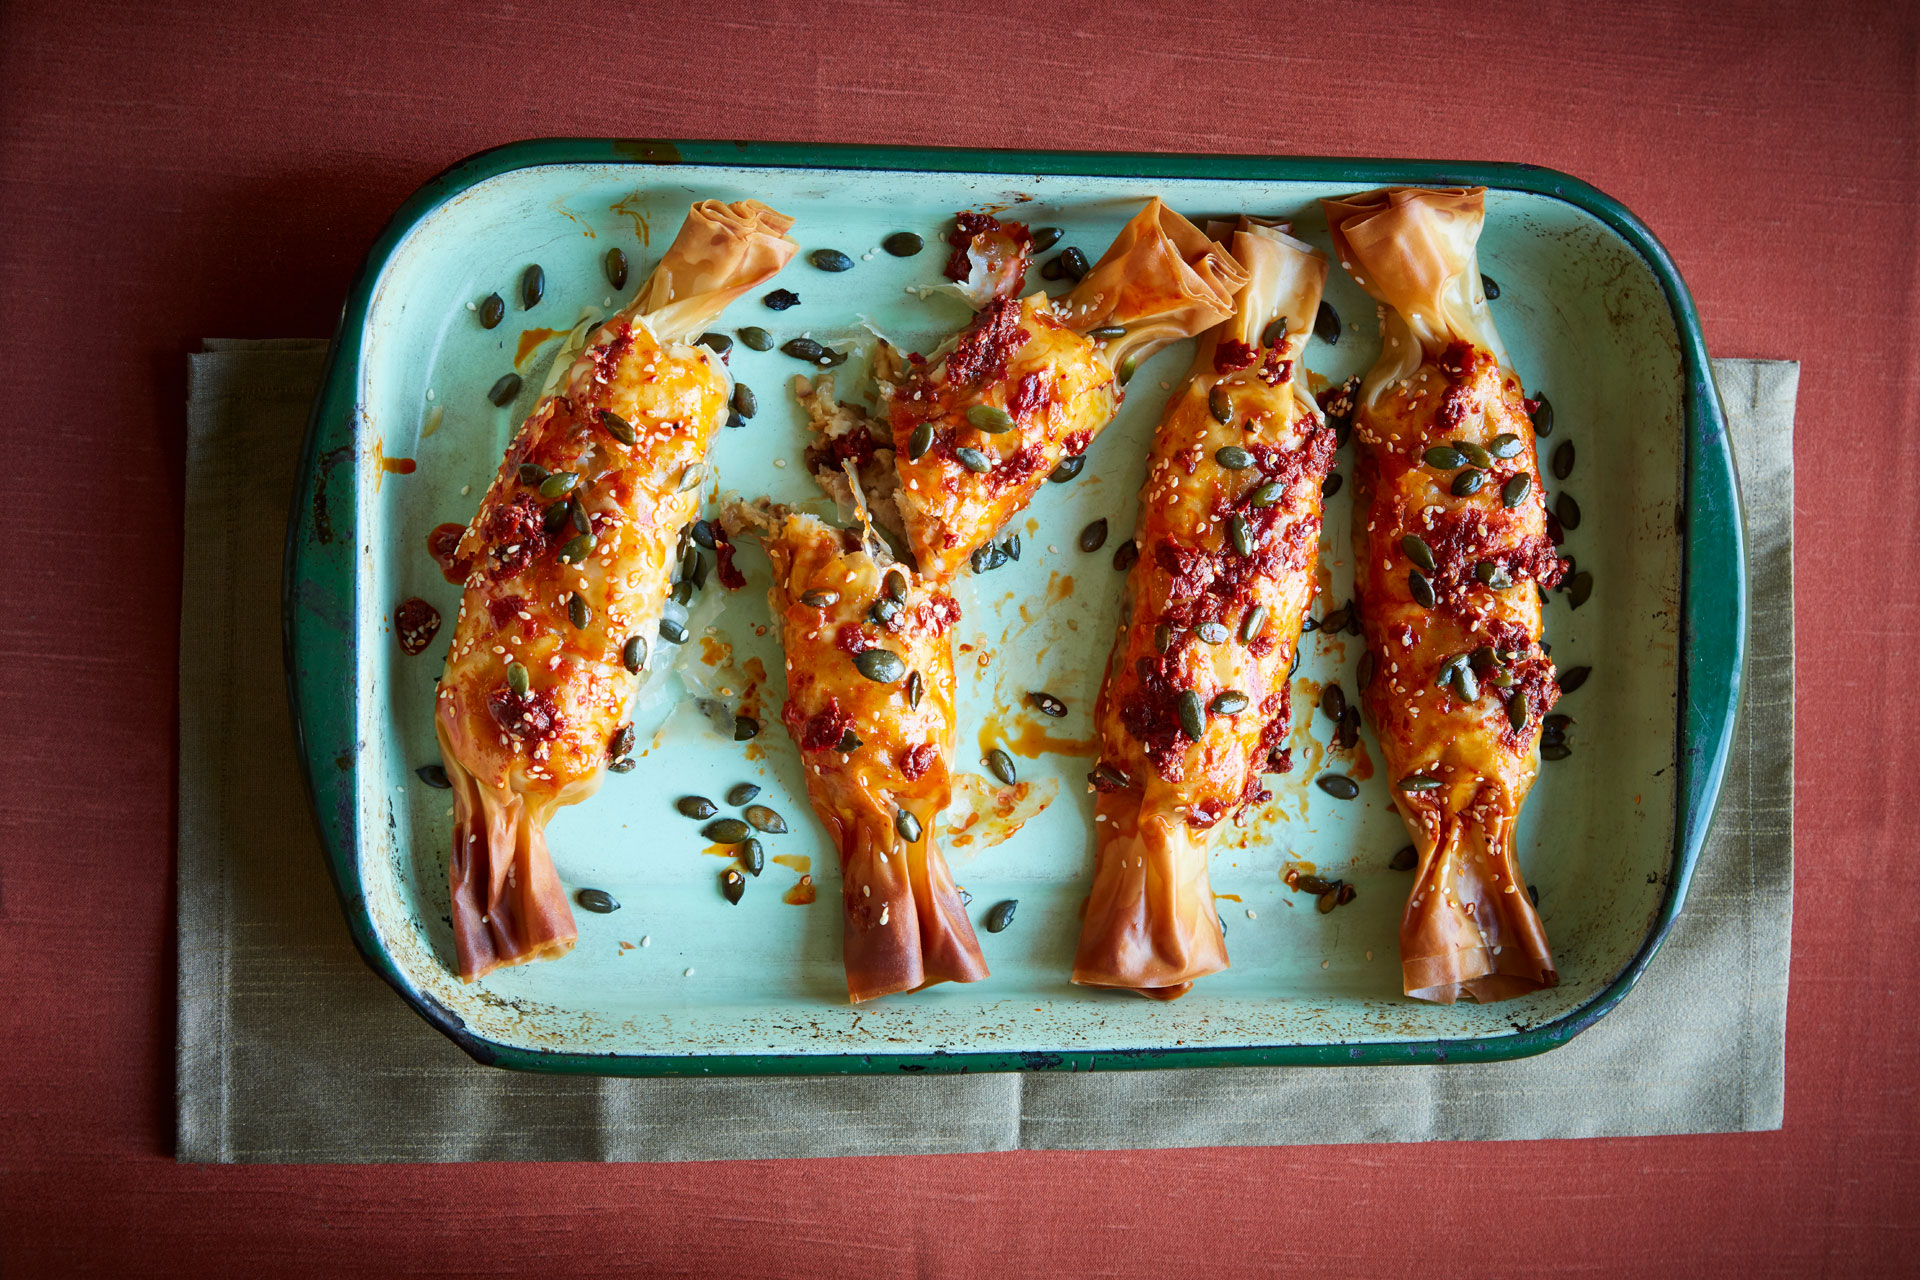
{"points": [[291, 1050]]}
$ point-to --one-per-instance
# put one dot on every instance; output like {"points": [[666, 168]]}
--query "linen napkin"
{"points": [[291, 1050]]}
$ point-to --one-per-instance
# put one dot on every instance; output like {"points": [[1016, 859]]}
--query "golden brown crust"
{"points": [[1459, 765], [873, 748], [586, 507], [1213, 614]]}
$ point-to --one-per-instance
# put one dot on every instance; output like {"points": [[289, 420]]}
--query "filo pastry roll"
{"points": [[978, 425], [1194, 706], [1450, 542], [566, 566]]}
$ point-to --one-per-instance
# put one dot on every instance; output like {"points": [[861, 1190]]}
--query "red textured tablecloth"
{"points": [[170, 172]]}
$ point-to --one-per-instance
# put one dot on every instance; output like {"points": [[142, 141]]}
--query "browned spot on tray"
{"points": [[794, 861]]}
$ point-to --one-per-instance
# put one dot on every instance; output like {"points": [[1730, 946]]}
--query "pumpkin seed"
{"points": [[884, 611], [1000, 915], [907, 825], [820, 599], [915, 688], [1253, 624], [1330, 486], [1162, 638], [744, 402], [1517, 712], [1126, 555], [781, 299], [1557, 723], [1276, 330], [765, 819], [1515, 491], [1444, 457], [1240, 535], [1068, 468], [1233, 457], [1542, 416], [633, 654], [1420, 589], [1326, 325], [598, 901], [1094, 536], [533, 474], [1365, 675], [745, 728], [557, 483], [621, 744], [882, 666], [1414, 783], [756, 337], [741, 792], [434, 775], [533, 287], [726, 831], [1405, 860], [752, 855], [718, 343], [1001, 766], [696, 807], [1568, 510], [1212, 632], [1333, 702], [1106, 331], [973, 460], [1504, 445], [503, 391], [919, 442], [903, 244], [1338, 785], [1193, 719], [577, 549], [1073, 264], [1488, 287], [1050, 269], [1333, 622], [1347, 735], [492, 311], [989, 418], [1044, 238], [1466, 685], [1580, 589], [1473, 453], [673, 631], [579, 612], [1128, 368], [582, 522], [1268, 494], [616, 267], [1105, 774], [517, 679], [894, 585], [1047, 705], [803, 349], [1230, 702], [1468, 482], [849, 743], [1418, 551], [1573, 678], [1555, 751], [692, 476], [1493, 575], [1220, 404], [1563, 460], [733, 885], [830, 260]]}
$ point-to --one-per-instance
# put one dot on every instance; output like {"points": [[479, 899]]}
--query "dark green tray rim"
{"points": [[320, 590]]}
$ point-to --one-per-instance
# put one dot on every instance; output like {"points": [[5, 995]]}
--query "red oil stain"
{"points": [[801, 894], [1228, 897], [530, 340], [1028, 740], [794, 861]]}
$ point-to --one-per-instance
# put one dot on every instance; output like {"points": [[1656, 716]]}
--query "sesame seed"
{"points": [[687, 974]]}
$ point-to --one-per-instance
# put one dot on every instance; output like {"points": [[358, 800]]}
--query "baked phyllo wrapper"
{"points": [[1194, 707], [870, 686], [979, 424], [1450, 544], [566, 567]]}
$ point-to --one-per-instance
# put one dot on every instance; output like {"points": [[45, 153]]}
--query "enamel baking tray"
{"points": [[679, 982]]}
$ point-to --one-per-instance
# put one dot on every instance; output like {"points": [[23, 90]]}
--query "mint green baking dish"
{"points": [[1592, 311]]}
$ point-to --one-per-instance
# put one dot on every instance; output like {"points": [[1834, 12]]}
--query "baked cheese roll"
{"points": [[1450, 544], [979, 424], [870, 688], [566, 567], [1194, 707]]}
